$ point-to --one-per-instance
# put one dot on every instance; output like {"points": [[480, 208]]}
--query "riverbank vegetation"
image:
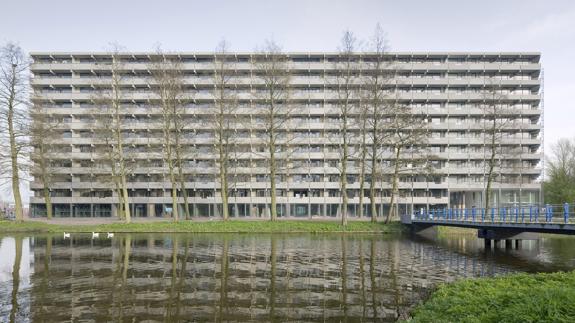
{"points": [[560, 176], [232, 226], [514, 298]]}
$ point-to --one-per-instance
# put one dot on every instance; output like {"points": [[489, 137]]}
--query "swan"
{"points": [[95, 235], [110, 235], [66, 235]]}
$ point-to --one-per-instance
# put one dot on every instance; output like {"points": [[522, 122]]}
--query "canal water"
{"points": [[248, 277]]}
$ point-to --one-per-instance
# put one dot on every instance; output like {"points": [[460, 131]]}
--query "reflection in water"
{"points": [[16, 279], [243, 277]]}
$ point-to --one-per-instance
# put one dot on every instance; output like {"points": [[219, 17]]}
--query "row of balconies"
{"points": [[211, 184], [247, 200], [158, 125], [446, 170], [248, 67], [37, 81], [308, 96], [158, 154], [318, 141], [319, 112]]}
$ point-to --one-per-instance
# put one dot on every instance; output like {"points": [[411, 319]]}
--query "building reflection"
{"points": [[235, 277]]}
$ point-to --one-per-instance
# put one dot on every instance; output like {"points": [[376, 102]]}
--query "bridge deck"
{"points": [[513, 219]]}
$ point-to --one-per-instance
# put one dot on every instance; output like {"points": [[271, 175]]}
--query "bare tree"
{"points": [[13, 110], [377, 77], [497, 120], [406, 139], [109, 114], [347, 94], [44, 130], [362, 125], [224, 116], [272, 95], [169, 89]]}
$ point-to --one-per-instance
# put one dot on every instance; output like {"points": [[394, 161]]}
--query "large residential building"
{"points": [[450, 91]]}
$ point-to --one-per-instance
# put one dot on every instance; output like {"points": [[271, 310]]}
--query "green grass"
{"points": [[235, 226], [512, 298], [444, 231]]}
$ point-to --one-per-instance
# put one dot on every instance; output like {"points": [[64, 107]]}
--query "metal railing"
{"points": [[557, 214]]}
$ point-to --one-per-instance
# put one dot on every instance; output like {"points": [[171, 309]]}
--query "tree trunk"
{"points": [[491, 165], [174, 200], [273, 198], [222, 149], [343, 179], [48, 202], [185, 193], [374, 174], [224, 192], [362, 170], [372, 190], [14, 154], [394, 190], [126, 201]]}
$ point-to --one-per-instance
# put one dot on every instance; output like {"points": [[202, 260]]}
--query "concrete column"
{"points": [[496, 244], [508, 243], [151, 212]]}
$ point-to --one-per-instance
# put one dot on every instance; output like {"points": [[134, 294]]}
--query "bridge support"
{"points": [[508, 243], [496, 244], [506, 234]]}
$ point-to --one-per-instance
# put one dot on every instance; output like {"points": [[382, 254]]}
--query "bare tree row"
{"points": [[385, 123]]}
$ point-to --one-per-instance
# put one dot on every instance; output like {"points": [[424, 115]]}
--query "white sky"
{"points": [[315, 25]]}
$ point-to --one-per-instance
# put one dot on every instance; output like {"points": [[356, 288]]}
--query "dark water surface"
{"points": [[211, 277]]}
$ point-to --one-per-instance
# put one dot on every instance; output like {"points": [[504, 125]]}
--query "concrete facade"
{"points": [[446, 87]]}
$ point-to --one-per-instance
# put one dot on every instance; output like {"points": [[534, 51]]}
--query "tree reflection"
{"points": [[362, 278], [272, 277], [224, 269], [344, 275], [46, 274], [182, 278], [171, 301], [16, 278], [122, 271], [373, 284]]}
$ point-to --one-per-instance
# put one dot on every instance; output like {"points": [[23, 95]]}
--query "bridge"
{"points": [[505, 223]]}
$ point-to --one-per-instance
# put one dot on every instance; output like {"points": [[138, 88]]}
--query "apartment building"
{"points": [[447, 88]]}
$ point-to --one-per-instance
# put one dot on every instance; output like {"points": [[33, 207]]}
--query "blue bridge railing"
{"points": [[559, 214]]}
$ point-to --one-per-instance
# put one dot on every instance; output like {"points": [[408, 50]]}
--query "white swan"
{"points": [[110, 235], [95, 235], [66, 235]]}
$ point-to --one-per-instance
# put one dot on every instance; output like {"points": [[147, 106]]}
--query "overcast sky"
{"points": [[315, 25]]}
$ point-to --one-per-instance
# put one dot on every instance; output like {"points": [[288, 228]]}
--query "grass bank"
{"points": [[444, 231], [232, 226], [512, 298]]}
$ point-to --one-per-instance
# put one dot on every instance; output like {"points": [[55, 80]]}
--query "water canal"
{"points": [[248, 278]]}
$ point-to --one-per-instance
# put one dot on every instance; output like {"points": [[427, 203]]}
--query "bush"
{"points": [[513, 298]]}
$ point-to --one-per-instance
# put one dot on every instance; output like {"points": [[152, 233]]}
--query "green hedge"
{"points": [[511, 298]]}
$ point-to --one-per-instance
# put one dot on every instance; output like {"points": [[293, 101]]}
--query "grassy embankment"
{"points": [[513, 298], [232, 226]]}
